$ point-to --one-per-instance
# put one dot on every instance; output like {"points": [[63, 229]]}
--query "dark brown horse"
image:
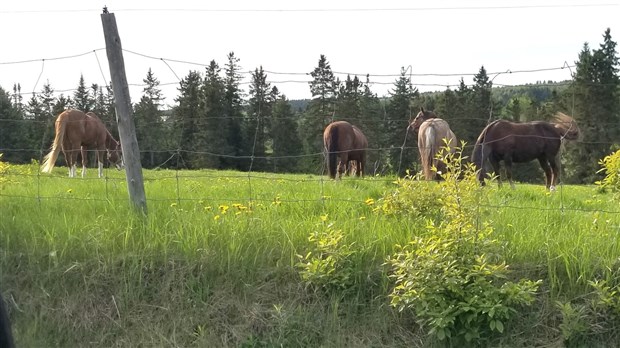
{"points": [[344, 142], [357, 157], [76, 132], [514, 142], [434, 134]]}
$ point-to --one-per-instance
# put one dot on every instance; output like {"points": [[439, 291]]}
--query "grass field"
{"points": [[214, 263]]}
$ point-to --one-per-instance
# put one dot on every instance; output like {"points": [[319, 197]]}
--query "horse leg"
{"points": [[100, 157], [84, 152], [548, 173], [73, 154], [555, 172], [508, 166], [495, 165], [342, 166]]}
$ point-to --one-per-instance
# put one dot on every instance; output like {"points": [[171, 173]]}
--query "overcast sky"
{"points": [[56, 41]]}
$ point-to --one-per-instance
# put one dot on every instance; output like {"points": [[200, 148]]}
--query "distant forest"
{"points": [[215, 124]]}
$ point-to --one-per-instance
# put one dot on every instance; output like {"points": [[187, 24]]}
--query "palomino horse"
{"points": [[513, 142], [76, 132], [344, 143], [434, 134]]}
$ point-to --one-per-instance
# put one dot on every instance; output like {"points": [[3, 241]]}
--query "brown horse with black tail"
{"points": [[76, 132], [514, 142], [343, 143]]}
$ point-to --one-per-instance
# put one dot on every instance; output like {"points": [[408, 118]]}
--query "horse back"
{"points": [[339, 136], [522, 141], [440, 130]]}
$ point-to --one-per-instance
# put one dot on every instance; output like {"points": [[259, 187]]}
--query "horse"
{"points": [[357, 157], [514, 142], [344, 142], [77, 131], [434, 134]]}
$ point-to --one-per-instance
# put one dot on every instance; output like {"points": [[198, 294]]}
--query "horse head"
{"points": [[567, 126], [422, 116], [115, 156]]}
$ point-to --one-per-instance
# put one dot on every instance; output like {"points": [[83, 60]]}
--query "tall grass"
{"points": [[214, 262]]}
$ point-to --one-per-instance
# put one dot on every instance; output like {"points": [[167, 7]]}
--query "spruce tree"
{"points": [[320, 112], [185, 115], [148, 122], [257, 118], [401, 141], [233, 113], [11, 130], [82, 99], [215, 127], [286, 143], [594, 98]]}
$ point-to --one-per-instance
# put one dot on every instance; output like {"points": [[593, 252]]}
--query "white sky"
{"points": [[357, 37]]}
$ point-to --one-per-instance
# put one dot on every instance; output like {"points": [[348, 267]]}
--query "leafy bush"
{"points": [[4, 170], [413, 197], [453, 278], [328, 264], [611, 168]]}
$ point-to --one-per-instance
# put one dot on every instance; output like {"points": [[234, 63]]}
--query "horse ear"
{"points": [[421, 108]]}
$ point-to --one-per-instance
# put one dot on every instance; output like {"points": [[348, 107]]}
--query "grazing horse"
{"points": [[513, 142], [434, 134], [76, 132], [357, 157], [343, 143]]}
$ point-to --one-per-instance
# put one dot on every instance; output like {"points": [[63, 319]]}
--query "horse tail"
{"points": [[428, 151], [481, 151], [332, 154], [50, 159]]}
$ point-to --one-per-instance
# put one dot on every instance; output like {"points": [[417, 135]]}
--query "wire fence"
{"points": [[175, 155]]}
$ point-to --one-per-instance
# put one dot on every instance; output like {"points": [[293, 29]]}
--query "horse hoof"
{"points": [[552, 189]]}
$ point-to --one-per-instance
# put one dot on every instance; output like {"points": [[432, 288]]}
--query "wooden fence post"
{"points": [[124, 113]]}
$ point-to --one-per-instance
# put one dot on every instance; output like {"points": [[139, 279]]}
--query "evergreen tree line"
{"points": [[215, 124]]}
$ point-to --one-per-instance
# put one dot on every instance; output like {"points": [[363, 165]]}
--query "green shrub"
{"points": [[412, 196], [611, 168], [453, 279], [327, 265]]}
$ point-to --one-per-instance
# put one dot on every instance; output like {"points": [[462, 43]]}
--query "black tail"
{"points": [[481, 152], [332, 153]]}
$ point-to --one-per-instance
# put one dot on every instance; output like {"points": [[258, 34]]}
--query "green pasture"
{"points": [[214, 263]]}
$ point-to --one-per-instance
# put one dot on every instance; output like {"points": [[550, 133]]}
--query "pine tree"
{"points": [[320, 112], [257, 118], [372, 124], [286, 143], [81, 97], [401, 142], [185, 115], [216, 125], [148, 121], [11, 130], [40, 110], [233, 113], [594, 98]]}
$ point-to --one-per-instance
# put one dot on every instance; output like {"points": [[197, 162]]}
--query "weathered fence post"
{"points": [[124, 113]]}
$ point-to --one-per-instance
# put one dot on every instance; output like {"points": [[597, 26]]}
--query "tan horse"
{"points": [[433, 135], [77, 132]]}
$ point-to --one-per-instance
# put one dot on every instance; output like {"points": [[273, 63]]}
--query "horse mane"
{"points": [[477, 155], [567, 126]]}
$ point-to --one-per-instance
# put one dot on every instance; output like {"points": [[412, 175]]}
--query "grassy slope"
{"points": [[213, 264]]}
